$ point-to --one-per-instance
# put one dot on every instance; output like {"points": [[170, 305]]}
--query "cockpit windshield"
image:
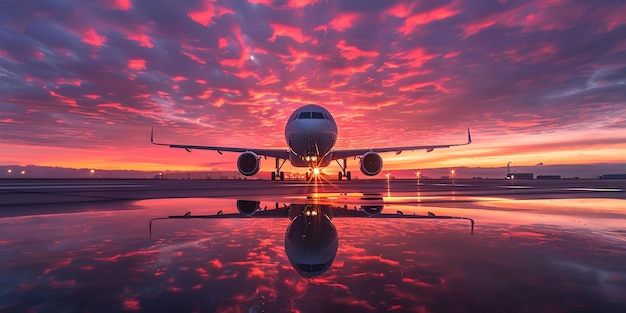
{"points": [[312, 115]]}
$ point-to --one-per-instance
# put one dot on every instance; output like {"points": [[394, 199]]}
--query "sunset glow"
{"points": [[82, 82]]}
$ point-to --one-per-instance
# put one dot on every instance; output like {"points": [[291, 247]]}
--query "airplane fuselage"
{"points": [[311, 133]]}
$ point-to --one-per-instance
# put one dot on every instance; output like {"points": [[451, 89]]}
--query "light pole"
{"points": [[418, 174], [388, 175], [452, 172]]}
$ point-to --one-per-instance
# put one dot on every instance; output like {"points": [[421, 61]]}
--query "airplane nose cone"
{"points": [[311, 244], [307, 137]]}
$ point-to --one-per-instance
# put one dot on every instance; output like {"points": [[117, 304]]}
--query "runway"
{"points": [[272, 246], [19, 192]]}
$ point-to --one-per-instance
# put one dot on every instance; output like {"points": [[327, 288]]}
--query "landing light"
{"points": [[316, 171]]}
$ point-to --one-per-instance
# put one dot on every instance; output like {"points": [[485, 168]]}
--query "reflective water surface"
{"points": [[331, 253]]}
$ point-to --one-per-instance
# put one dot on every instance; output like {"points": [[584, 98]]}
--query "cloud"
{"points": [[86, 74]]}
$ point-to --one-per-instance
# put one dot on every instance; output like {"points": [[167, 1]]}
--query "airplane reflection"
{"points": [[311, 239]]}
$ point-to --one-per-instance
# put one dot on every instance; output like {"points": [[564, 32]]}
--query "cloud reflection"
{"points": [[80, 261]]}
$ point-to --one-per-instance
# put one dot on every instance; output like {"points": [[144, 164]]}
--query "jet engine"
{"points": [[247, 208], [371, 163], [248, 163]]}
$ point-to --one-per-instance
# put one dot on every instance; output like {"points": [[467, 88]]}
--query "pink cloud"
{"points": [[193, 57], [179, 78], [222, 43], [615, 19], [416, 86], [401, 9], [351, 70], [343, 21], [264, 2], [208, 10], [414, 58], [68, 81], [536, 54], [412, 21], [137, 64], [352, 52], [143, 39], [296, 4], [206, 94], [533, 16], [451, 55], [90, 36], [120, 4], [287, 31], [268, 80], [64, 99]]}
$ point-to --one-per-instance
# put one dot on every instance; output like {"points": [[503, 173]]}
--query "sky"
{"points": [[537, 82]]}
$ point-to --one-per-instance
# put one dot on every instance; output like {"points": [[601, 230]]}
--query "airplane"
{"points": [[311, 133], [311, 239]]}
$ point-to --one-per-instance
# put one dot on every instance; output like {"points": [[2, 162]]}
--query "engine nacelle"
{"points": [[371, 163], [247, 208], [248, 163]]}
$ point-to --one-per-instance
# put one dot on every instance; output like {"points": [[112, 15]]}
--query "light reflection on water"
{"points": [[541, 255]]}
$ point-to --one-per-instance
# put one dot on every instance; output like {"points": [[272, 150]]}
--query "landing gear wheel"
{"points": [[348, 175], [340, 176], [277, 173]]}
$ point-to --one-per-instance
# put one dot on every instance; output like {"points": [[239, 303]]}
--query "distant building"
{"points": [[201, 175], [548, 176], [521, 176], [613, 176]]}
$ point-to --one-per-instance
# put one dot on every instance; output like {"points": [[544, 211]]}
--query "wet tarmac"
{"points": [[360, 246]]}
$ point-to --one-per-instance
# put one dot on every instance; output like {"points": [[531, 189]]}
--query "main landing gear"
{"points": [[344, 172], [277, 173]]}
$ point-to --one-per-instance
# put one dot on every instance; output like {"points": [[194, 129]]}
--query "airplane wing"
{"points": [[338, 212], [274, 153], [340, 154]]}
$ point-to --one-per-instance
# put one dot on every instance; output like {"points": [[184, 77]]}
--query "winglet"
{"points": [[152, 135], [469, 137]]}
